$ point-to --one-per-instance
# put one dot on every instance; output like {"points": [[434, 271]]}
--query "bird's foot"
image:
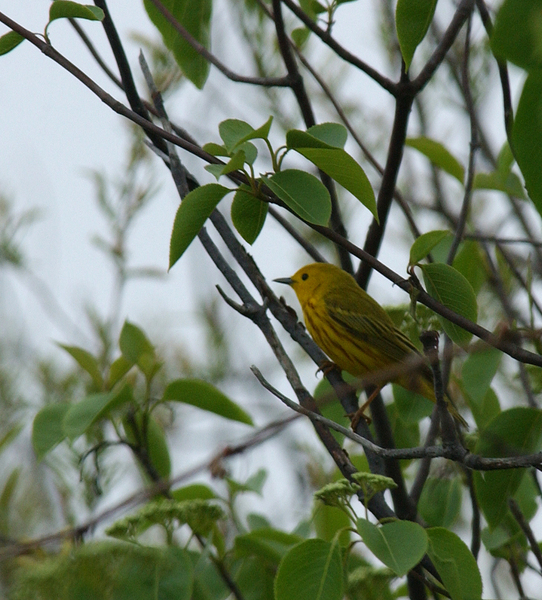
{"points": [[326, 367], [356, 417]]}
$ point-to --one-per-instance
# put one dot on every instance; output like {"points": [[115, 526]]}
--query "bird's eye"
{"points": [[305, 276]]}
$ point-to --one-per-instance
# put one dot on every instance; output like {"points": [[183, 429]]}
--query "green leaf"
{"points": [[455, 564], [245, 153], [255, 579], [425, 243], [412, 18], [191, 215], [137, 349], [248, 214], [312, 570], [329, 521], [7, 499], [411, 407], [406, 433], [207, 397], [47, 430], [261, 133], [449, 287], [87, 362], [265, 543], [440, 502], [517, 34], [527, 137], [256, 521], [400, 545], [195, 17], [155, 443], [158, 449], [84, 414], [334, 161], [484, 411], [215, 169], [126, 571], [134, 343], [10, 434], [196, 491], [438, 155], [372, 583], [250, 150], [208, 584], [9, 41], [471, 263], [332, 134], [300, 35], [234, 132], [235, 163], [509, 184], [216, 150], [61, 9], [513, 432], [303, 193], [117, 370], [253, 484], [314, 7], [478, 371]]}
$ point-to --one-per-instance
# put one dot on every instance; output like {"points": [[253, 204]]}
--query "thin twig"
{"points": [[128, 83], [502, 240], [503, 72], [402, 503], [451, 452], [514, 570], [364, 149], [376, 230], [305, 107], [202, 51], [526, 528], [476, 539], [92, 49], [141, 496], [465, 206], [506, 346], [384, 82], [430, 341], [425, 464], [460, 16]]}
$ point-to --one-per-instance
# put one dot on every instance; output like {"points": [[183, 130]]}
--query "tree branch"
{"points": [[504, 345], [384, 82], [300, 92], [376, 231], [202, 51], [461, 15]]}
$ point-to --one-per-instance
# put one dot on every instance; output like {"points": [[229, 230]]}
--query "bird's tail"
{"points": [[425, 388]]}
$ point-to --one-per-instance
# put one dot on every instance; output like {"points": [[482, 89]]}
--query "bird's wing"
{"points": [[382, 336]]}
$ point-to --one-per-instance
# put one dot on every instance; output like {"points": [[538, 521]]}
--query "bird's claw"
{"points": [[356, 417], [326, 367]]}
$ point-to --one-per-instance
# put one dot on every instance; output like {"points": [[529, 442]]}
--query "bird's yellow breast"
{"points": [[351, 355]]}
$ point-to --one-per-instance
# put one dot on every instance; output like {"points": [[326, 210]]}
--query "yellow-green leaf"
{"points": [[449, 287]]}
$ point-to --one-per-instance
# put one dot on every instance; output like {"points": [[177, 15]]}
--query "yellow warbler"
{"points": [[357, 333]]}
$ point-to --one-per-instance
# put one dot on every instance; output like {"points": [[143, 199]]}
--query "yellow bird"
{"points": [[357, 333]]}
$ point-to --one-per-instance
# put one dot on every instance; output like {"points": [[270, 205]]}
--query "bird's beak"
{"points": [[286, 280]]}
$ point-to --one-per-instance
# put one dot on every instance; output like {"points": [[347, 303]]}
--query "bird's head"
{"points": [[312, 280]]}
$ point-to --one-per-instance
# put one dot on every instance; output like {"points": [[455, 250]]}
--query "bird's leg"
{"points": [[326, 367], [360, 413]]}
